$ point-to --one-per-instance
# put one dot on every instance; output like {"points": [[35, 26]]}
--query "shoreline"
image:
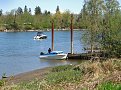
{"points": [[39, 30], [28, 76], [95, 79]]}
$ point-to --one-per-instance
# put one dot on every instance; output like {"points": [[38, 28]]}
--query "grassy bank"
{"points": [[97, 75]]}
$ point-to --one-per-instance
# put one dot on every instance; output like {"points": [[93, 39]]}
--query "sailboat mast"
{"points": [[52, 36], [71, 33]]}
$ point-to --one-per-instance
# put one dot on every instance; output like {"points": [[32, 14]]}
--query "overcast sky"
{"points": [[74, 6]]}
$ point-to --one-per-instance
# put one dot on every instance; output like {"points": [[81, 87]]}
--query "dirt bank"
{"points": [[28, 76]]}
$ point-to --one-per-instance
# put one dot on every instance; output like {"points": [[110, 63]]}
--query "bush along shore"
{"points": [[97, 75]]}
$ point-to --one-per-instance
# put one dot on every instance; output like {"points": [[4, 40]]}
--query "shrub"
{"points": [[2, 82]]}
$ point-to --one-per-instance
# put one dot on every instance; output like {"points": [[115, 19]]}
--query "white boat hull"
{"points": [[40, 37], [54, 57]]}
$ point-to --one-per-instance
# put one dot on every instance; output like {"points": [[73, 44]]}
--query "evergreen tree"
{"points": [[48, 12], [1, 12], [25, 9], [19, 11], [38, 10], [45, 13], [30, 10], [57, 9]]}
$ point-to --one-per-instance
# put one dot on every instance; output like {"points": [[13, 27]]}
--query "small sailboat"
{"points": [[53, 55]]}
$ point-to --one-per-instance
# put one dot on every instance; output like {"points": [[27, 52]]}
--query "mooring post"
{"points": [[52, 35], [71, 33]]}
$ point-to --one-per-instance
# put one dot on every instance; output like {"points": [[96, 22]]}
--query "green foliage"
{"points": [[62, 74], [109, 86], [14, 26], [32, 85], [65, 76], [2, 82], [91, 17], [62, 68], [111, 33], [37, 19], [57, 20], [27, 27], [66, 19], [46, 22]]}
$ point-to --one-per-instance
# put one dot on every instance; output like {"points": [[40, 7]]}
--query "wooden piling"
{"points": [[52, 35], [71, 27]]}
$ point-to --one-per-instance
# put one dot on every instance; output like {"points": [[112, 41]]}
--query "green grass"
{"points": [[65, 76], [32, 85], [62, 68], [109, 86], [63, 73]]}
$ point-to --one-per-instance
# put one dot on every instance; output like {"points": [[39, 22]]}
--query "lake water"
{"points": [[20, 53]]}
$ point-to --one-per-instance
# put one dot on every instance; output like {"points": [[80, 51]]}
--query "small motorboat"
{"points": [[40, 35], [53, 55]]}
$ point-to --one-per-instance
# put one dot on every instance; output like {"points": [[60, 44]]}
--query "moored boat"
{"points": [[40, 35], [54, 55]]}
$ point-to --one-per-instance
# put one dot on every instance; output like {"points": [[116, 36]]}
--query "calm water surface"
{"points": [[20, 53]]}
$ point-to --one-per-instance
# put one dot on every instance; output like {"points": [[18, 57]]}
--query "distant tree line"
{"points": [[23, 19]]}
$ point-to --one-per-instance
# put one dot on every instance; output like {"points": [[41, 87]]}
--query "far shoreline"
{"points": [[41, 30]]}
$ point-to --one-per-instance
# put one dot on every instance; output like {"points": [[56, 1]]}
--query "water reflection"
{"points": [[60, 62]]}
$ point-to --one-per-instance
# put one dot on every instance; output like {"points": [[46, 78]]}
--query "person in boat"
{"points": [[49, 50]]}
